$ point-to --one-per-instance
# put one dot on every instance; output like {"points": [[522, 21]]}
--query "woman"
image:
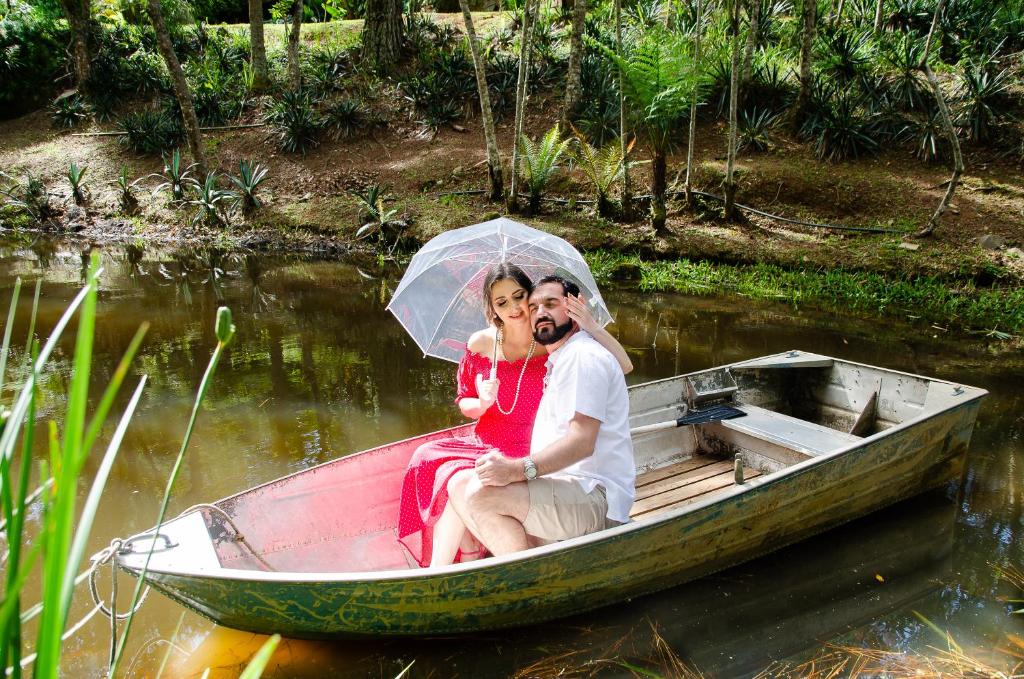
{"points": [[504, 408]]}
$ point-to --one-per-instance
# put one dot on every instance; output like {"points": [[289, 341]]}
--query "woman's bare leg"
{"points": [[448, 535]]}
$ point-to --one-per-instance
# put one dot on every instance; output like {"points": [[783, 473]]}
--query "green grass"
{"points": [[948, 303]]}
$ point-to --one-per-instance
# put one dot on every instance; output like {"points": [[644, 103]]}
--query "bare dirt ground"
{"points": [[309, 204]]}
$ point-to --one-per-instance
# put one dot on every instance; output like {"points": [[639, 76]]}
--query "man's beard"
{"points": [[553, 333]]}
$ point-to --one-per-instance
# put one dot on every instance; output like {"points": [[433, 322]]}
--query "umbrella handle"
{"points": [[494, 359]]}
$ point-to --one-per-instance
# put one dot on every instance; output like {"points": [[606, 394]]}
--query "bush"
{"points": [[296, 122], [983, 101], [838, 124], [150, 132], [344, 118], [125, 62], [67, 112], [755, 128], [32, 52]]}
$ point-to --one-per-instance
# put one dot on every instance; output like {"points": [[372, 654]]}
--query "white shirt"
{"points": [[583, 377]]}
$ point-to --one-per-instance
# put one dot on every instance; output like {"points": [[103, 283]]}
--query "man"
{"points": [[580, 476]]}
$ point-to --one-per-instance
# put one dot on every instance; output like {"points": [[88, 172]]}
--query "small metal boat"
{"points": [[821, 441]]}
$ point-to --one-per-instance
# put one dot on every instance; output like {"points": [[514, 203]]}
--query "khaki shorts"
{"points": [[559, 510]]}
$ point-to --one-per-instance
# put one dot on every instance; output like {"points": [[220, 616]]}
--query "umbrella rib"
{"points": [[425, 270], [451, 304]]}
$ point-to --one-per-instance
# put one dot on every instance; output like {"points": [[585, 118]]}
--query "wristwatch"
{"points": [[529, 469]]}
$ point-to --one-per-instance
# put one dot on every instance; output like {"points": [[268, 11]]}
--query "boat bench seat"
{"points": [[667, 488], [789, 432]]}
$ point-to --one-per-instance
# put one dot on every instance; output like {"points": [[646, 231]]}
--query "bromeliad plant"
{"points": [[126, 199], [296, 122], [250, 175], [177, 179], [210, 202], [76, 179], [32, 198], [540, 161], [67, 112]]}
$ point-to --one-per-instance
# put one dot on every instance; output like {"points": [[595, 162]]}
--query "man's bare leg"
{"points": [[495, 515]]}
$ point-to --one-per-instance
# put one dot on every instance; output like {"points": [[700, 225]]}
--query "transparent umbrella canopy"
{"points": [[439, 300]]}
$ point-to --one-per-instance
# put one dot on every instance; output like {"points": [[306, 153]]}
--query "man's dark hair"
{"points": [[568, 287]]}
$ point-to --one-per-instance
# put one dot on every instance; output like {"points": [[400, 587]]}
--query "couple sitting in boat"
{"points": [[551, 457]]}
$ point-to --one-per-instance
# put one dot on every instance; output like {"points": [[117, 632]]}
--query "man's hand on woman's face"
{"points": [[494, 469]]}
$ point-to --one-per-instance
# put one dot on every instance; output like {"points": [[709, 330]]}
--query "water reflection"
{"points": [[319, 368]]}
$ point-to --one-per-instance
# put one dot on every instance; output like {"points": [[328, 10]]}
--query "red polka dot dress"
{"points": [[425, 488]]}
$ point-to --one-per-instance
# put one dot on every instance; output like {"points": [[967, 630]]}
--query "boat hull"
{"points": [[755, 518]]}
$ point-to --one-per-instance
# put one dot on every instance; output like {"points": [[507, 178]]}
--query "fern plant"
{"points": [[660, 77], [602, 167], [540, 161]]}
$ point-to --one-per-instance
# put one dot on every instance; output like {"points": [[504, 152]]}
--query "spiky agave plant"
{"points": [[126, 191], [210, 202], [177, 179], [250, 175], [76, 179], [540, 162], [602, 166]]}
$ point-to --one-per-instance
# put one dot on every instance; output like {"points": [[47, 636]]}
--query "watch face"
{"points": [[529, 470]]}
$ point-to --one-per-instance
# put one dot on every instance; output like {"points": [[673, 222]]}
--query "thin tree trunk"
{"points": [[181, 91], [658, 188], [692, 141], [730, 163], [753, 35], [573, 83], [494, 174], [878, 17], [383, 33], [808, 13], [258, 48], [77, 12], [627, 188], [294, 71], [947, 124], [525, 44]]}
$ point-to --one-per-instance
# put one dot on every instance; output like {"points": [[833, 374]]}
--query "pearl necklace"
{"points": [[522, 372]]}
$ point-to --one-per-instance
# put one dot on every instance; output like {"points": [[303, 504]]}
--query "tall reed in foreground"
{"points": [[55, 550]]}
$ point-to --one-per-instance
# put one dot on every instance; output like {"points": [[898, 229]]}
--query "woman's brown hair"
{"points": [[500, 272]]}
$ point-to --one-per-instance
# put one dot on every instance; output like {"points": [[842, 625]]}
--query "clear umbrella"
{"points": [[439, 300]]}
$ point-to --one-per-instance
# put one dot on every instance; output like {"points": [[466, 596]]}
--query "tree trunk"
{"points": [[494, 174], [627, 189], [77, 12], [294, 70], [730, 163], [573, 83], [692, 141], [383, 33], [525, 45], [878, 17], [809, 17], [258, 48], [181, 91], [947, 124], [753, 34], [658, 187]]}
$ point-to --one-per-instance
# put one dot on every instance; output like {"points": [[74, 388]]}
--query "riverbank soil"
{"points": [[309, 203]]}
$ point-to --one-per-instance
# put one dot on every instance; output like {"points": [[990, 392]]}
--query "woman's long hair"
{"points": [[500, 272]]}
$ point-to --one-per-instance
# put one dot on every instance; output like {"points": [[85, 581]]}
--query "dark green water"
{"points": [[319, 369]]}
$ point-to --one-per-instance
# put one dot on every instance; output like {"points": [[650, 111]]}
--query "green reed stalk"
{"points": [[7, 331], [259, 661], [225, 331]]}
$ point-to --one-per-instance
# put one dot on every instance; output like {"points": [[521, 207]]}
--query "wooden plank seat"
{"points": [[683, 482], [789, 432]]}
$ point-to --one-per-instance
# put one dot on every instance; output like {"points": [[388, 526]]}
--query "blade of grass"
{"points": [[62, 519], [170, 646], [225, 331], [259, 661], [92, 501], [7, 331], [30, 340]]}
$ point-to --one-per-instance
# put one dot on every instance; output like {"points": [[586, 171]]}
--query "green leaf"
{"points": [[259, 661]]}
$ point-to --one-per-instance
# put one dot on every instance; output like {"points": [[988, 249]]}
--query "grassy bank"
{"points": [[997, 311]]}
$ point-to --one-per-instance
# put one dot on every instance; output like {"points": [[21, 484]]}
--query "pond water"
{"points": [[319, 369]]}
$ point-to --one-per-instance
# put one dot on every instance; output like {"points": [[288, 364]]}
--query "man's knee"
{"points": [[460, 486]]}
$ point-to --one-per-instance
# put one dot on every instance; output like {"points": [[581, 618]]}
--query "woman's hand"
{"points": [[487, 391], [579, 311]]}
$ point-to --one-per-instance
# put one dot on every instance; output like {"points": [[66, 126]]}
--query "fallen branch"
{"points": [[201, 129]]}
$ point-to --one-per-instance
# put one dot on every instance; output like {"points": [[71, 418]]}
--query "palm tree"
{"points": [[294, 71], [257, 47], [660, 77]]}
